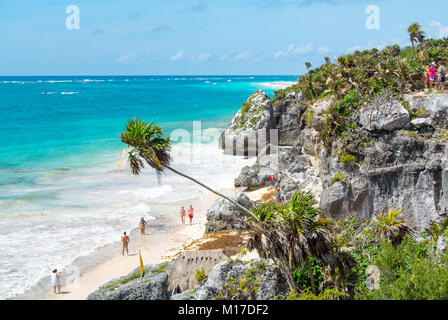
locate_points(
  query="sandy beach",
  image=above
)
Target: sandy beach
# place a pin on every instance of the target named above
(164, 240)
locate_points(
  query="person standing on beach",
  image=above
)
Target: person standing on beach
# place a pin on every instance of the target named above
(125, 240)
(271, 178)
(190, 213)
(432, 74)
(142, 226)
(56, 281)
(182, 214)
(441, 76)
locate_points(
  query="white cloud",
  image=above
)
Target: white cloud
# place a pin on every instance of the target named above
(293, 50)
(125, 58)
(224, 58)
(442, 31)
(302, 50)
(178, 55)
(323, 49)
(241, 56)
(204, 56)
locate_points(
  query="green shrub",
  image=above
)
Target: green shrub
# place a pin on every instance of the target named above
(338, 177)
(411, 271)
(200, 276)
(348, 160)
(327, 294)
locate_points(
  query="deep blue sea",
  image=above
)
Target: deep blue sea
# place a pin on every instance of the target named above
(63, 177)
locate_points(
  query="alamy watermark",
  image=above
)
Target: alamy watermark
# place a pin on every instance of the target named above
(72, 22)
(373, 20)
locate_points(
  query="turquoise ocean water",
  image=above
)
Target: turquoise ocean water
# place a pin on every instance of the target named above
(61, 177)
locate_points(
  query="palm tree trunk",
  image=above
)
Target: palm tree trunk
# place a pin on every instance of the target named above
(310, 270)
(215, 192)
(413, 49)
(288, 275)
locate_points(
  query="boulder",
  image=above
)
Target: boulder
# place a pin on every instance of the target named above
(421, 122)
(433, 105)
(154, 285)
(224, 215)
(388, 116)
(183, 273)
(271, 282)
(275, 161)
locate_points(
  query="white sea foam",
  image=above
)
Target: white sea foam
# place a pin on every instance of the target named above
(67, 214)
(69, 92)
(277, 85)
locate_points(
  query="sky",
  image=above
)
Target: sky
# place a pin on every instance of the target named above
(201, 37)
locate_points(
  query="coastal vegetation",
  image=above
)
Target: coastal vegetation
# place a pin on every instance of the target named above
(326, 260)
(356, 79)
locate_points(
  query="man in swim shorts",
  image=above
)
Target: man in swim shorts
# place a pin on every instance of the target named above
(125, 240)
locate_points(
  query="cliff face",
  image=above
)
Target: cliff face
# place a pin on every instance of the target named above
(394, 157)
(249, 130)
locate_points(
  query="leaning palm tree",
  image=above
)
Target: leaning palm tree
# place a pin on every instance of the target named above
(147, 144)
(290, 234)
(388, 226)
(416, 35)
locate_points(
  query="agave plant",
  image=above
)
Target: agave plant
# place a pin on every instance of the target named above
(147, 144)
(389, 226)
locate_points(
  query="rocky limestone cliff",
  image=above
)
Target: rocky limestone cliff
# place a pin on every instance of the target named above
(249, 130)
(394, 157)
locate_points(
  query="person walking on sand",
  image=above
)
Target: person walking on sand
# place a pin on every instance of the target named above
(125, 240)
(190, 213)
(182, 214)
(56, 281)
(142, 226)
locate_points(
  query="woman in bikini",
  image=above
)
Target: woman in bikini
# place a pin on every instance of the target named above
(182, 215)
(142, 226)
(190, 213)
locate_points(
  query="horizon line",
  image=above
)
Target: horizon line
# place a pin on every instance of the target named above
(151, 75)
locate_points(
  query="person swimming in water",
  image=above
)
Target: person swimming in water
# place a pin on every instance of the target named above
(125, 240)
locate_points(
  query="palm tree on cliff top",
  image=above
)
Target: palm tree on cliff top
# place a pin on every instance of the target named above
(147, 144)
(416, 35)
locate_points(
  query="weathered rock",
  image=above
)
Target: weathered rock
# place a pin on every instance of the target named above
(389, 116)
(250, 126)
(275, 161)
(287, 114)
(183, 272)
(442, 244)
(154, 285)
(259, 122)
(224, 215)
(399, 171)
(421, 122)
(434, 105)
(271, 280)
